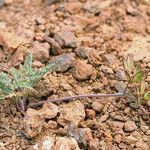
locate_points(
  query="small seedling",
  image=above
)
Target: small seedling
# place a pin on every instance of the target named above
(137, 79)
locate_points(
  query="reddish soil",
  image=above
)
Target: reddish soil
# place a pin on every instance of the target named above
(93, 36)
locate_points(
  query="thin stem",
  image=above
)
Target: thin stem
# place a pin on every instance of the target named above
(35, 105)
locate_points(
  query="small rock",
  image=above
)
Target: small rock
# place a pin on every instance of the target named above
(71, 113)
(118, 138)
(97, 106)
(52, 124)
(106, 69)
(142, 145)
(118, 118)
(64, 143)
(37, 64)
(90, 113)
(67, 62)
(34, 119)
(94, 144)
(111, 58)
(144, 128)
(117, 126)
(104, 118)
(83, 52)
(93, 58)
(148, 132)
(46, 143)
(123, 146)
(88, 134)
(40, 51)
(48, 111)
(10, 41)
(17, 57)
(120, 74)
(66, 38)
(33, 123)
(120, 86)
(55, 47)
(40, 20)
(132, 11)
(130, 139)
(82, 71)
(65, 86)
(130, 126)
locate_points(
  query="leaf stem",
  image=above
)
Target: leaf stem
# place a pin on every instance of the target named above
(35, 105)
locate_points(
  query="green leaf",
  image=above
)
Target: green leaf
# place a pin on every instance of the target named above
(147, 95)
(138, 68)
(129, 63)
(28, 63)
(138, 77)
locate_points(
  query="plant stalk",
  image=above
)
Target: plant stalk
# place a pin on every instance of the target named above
(35, 105)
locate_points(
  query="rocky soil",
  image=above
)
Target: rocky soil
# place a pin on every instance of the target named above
(92, 36)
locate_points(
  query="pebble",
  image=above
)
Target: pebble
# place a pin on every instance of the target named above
(40, 51)
(97, 106)
(130, 126)
(130, 139)
(90, 113)
(66, 39)
(82, 70)
(65, 64)
(72, 112)
(55, 47)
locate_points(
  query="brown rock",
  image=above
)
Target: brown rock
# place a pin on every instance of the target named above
(88, 134)
(52, 124)
(40, 51)
(33, 123)
(55, 47)
(37, 64)
(34, 119)
(144, 128)
(118, 138)
(97, 106)
(81, 70)
(10, 41)
(130, 126)
(123, 145)
(103, 118)
(16, 58)
(142, 145)
(71, 113)
(83, 52)
(94, 144)
(117, 126)
(65, 64)
(93, 58)
(130, 139)
(90, 113)
(66, 38)
(65, 143)
(45, 143)
(48, 111)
